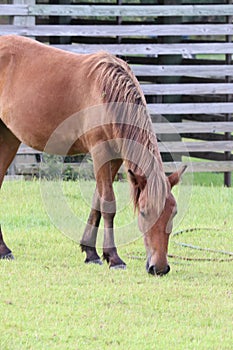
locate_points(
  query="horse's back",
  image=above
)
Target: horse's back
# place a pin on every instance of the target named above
(40, 87)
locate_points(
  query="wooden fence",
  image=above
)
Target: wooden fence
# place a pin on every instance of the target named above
(180, 53)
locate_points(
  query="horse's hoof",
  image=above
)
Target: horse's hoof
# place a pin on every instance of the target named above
(118, 267)
(8, 256)
(95, 261)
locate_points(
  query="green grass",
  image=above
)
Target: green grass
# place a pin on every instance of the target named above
(204, 178)
(49, 299)
(208, 179)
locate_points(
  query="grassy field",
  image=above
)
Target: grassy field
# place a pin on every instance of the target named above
(50, 300)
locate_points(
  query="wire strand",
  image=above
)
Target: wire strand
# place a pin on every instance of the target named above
(193, 229)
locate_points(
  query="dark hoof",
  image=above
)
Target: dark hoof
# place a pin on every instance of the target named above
(118, 267)
(95, 261)
(8, 256)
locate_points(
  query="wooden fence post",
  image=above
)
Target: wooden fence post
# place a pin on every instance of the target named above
(168, 60)
(228, 59)
(24, 20)
(60, 20)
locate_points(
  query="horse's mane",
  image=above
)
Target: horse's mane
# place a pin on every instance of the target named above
(116, 79)
(118, 84)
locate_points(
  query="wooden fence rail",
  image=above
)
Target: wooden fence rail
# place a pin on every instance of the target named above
(116, 30)
(115, 10)
(180, 53)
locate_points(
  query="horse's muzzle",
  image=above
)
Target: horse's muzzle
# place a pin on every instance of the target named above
(152, 270)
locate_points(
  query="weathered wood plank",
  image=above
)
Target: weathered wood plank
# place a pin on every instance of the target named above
(193, 127)
(13, 10)
(205, 146)
(114, 10)
(116, 30)
(193, 108)
(186, 89)
(134, 10)
(221, 167)
(152, 49)
(192, 70)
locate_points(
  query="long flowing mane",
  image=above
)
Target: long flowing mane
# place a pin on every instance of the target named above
(118, 84)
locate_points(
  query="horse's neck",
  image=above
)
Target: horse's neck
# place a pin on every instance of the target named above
(139, 150)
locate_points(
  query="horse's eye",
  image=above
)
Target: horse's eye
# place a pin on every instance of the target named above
(142, 213)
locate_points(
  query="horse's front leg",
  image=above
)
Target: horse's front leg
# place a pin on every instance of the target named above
(104, 180)
(88, 241)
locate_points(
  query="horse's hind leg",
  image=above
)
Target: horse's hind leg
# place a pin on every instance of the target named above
(9, 145)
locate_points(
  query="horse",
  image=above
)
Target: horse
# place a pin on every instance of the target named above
(41, 87)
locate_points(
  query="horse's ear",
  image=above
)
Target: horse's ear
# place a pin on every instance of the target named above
(139, 181)
(175, 177)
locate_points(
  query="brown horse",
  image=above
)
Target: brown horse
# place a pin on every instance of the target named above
(42, 88)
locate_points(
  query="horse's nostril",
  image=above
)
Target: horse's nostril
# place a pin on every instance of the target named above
(164, 272)
(152, 270)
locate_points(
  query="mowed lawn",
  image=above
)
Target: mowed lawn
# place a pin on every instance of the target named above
(49, 299)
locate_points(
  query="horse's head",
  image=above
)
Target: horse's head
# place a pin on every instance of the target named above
(156, 230)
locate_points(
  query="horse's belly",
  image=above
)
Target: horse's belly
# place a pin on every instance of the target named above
(43, 131)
